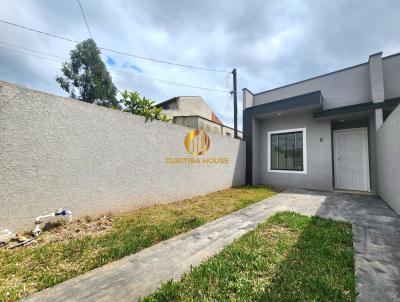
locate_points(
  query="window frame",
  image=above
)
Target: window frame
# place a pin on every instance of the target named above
(304, 131)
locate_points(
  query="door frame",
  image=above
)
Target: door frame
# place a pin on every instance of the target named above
(364, 130)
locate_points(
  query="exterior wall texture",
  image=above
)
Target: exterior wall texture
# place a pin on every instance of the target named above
(377, 90)
(341, 88)
(372, 152)
(256, 171)
(194, 105)
(391, 76)
(388, 160)
(189, 105)
(247, 98)
(319, 161)
(57, 152)
(205, 124)
(344, 87)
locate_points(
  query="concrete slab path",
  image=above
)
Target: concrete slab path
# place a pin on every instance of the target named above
(376, 231)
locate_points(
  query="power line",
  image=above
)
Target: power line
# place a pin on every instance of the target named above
(229, 99)
(167, 82)
(227, 86)
(26, 53)
(140, 77)
(33, 50)
(84, 18)
(114, 51)
(38, 31)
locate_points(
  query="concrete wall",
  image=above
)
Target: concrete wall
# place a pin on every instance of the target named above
(391, 76)
(194, 105)
(341, 88)
(344, 87)
(256, 171)
(319, 161)
(372, 152)
(227, 131)
(186, 121)
(57, 152)
(247, 98)
(189, 105)
(376, 86)
(208, 125)
(388, 160)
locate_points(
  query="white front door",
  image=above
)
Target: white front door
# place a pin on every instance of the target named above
(351, 163)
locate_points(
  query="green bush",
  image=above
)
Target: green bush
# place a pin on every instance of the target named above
(136, 104)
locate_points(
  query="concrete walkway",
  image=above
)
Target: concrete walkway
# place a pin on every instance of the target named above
(376, 230)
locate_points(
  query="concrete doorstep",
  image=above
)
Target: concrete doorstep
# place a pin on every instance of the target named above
(376, 240)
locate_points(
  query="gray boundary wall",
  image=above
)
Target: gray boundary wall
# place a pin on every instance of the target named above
(388, 160)
(57, 152)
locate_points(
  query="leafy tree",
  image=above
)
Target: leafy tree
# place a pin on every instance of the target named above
(142, 106)
(86, 77)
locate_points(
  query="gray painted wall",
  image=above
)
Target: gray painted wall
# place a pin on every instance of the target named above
(341, 88)
(372, 152)
(319, 162)
(57, 152)
(256, 151)
(388, 160)
(391, 76)
(376, 80)
(347, 87)
(377, 89)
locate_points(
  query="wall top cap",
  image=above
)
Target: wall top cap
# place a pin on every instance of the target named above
(376, 54)
(245, 89)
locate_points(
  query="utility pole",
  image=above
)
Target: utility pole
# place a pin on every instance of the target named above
(235, 103)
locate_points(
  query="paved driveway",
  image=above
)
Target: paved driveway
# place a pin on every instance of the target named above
(376, 240)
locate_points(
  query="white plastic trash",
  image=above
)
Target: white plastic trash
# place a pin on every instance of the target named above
(5, 236)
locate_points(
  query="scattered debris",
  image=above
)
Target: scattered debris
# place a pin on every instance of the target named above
(39, 220)
(20, 237)
(24, 242)
(60, 230)
(80, 227)
(5, 236)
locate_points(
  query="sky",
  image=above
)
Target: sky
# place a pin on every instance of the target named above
(270, 43)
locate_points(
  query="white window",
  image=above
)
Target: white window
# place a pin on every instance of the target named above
(287, 152)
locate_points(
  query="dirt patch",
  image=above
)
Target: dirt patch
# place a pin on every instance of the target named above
(275, 232)
(64, 231)
(77, 228)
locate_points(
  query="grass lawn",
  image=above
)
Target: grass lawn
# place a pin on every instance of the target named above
(289, 258)
(33, 268)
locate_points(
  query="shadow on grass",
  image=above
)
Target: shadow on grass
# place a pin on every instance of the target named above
(31, 269)
(318, 267)
(289, 258)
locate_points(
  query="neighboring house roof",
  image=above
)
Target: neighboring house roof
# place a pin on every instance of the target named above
(167, 101)
(203, 118)
(215, 119)
(185, 112)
